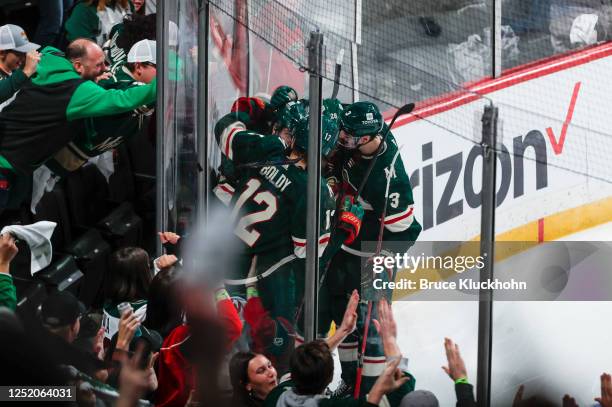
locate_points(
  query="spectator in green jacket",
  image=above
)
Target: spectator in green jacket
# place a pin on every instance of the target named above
(105, 133)
(43, 117)
(18, 60)
(8, 251)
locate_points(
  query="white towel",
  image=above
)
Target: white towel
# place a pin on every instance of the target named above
(37, 236)
(43, 180)
(105, 164)
(583, 31)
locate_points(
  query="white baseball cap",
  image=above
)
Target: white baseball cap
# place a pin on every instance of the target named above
(14, 37)
(143, 51)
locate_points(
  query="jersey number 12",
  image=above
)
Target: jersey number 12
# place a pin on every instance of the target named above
(244, 228)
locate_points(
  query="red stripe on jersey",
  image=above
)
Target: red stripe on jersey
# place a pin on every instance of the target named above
(389, 222)
(228, 142)
(299, 244)
(368, 360)
(226, 189)
(324, 240)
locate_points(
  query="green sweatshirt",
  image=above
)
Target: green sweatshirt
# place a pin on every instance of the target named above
(102, 133)
(82, 23)
(8, 294)
(43, 117)
(9, 84)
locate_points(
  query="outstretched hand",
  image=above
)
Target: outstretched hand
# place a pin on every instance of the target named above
(349, 321)
(387, 329)
(606, 391)
(391, 379)
(456, 366)
(385, 323)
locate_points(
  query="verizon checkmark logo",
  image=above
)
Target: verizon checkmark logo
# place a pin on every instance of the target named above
(558, 145)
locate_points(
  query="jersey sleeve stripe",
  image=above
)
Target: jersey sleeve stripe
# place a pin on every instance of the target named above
(228, 146)
(299, 245)
(224, 192)
(298, 242)
(227, 188)
(399, 216)
(226, 138)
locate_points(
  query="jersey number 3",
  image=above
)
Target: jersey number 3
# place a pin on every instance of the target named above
(244, 229)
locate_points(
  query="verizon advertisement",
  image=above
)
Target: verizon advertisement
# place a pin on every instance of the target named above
(553, 136)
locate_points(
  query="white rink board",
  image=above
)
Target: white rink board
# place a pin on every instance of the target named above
(561, 347)
(556, 347)
(525, 108)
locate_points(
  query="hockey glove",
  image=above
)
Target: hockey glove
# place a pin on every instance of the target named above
(350, 218)
(254, 108)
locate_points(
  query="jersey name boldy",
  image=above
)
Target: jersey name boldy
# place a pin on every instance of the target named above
(273, 175)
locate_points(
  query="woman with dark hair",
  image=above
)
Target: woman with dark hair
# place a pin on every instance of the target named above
(139, 6)
(164, 312)
(253, 377)
(94, 19)
(129, 279)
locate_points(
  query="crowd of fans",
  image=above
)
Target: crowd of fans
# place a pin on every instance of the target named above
(155, 337)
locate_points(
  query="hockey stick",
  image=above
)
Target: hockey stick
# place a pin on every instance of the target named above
(260, 164)
(337, 73)
(378, 250)
(407, 108)
(364, 341)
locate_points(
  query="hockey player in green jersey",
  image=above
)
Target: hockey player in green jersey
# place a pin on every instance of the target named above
(263, 115)
(260, 117)
(387, 192)
(268, 211)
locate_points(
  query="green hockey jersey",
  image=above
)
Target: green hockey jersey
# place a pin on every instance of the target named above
(105, 133)
(115, 55)
(270, 213)
(270, 200)
(240, 147)
(61, 98)
(388, 183)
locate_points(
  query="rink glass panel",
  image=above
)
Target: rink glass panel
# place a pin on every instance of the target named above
(180, 130)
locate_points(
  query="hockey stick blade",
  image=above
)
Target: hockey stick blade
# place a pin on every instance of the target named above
(407, 108)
